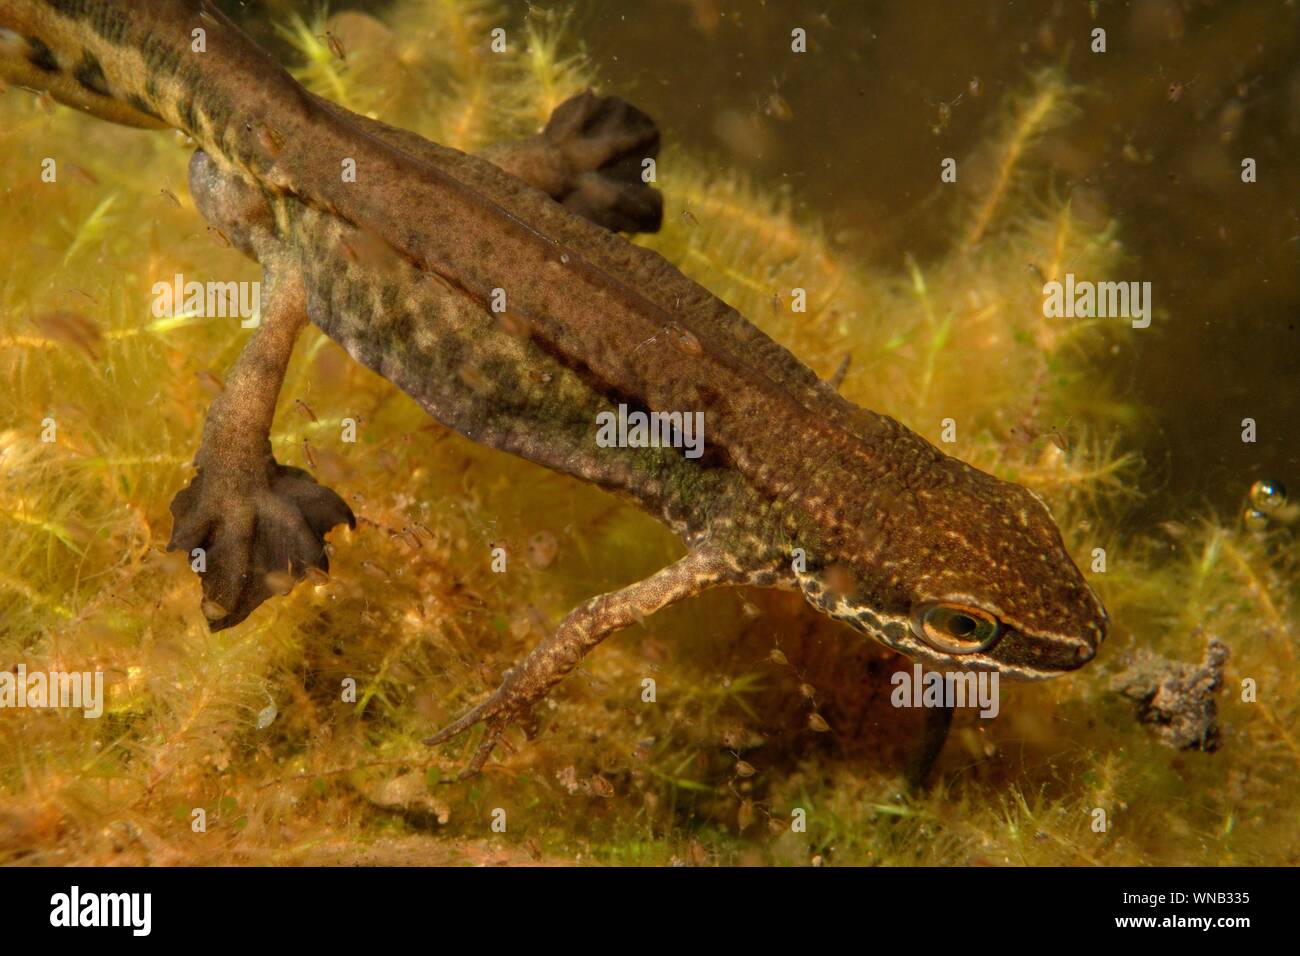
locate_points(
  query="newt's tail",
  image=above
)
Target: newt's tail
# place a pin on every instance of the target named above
(51, 52)
(148, 63)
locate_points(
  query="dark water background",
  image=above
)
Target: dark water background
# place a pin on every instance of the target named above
(1184, 91)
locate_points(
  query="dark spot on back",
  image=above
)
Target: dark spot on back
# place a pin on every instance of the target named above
(869, 619)
(91, 75)
(139, 103)
(188, 116)
(41, 56)
(72, 9)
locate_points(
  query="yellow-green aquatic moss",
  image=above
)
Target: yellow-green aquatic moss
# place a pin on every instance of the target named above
(763, 708)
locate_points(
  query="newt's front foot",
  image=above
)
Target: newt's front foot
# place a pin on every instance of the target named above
(585, 626)
(259, 535)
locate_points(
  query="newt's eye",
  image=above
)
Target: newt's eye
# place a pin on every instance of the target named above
(955, 628)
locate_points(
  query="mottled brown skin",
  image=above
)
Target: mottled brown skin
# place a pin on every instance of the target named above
(400, 267)
(261, 524)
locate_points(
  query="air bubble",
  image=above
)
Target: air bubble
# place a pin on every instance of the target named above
(1255, 520)
(1267, 496)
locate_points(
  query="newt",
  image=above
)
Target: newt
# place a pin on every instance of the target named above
(499, 293)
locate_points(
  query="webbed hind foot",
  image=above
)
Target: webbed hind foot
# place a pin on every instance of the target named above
(259, 535)
(589, 158)
(605, 141)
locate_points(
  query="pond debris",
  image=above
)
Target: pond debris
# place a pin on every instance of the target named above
(1176, 698)
(266, 716)
(778, 108)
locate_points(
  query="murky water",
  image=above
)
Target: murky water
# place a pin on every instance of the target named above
(1183, 92)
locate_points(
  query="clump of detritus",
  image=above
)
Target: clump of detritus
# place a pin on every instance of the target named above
(1177, 699)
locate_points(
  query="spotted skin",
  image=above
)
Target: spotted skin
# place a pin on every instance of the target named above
(402, 267)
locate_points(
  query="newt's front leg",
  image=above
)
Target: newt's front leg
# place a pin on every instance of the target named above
(585, 627)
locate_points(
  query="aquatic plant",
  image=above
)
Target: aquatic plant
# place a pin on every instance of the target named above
(298, 733)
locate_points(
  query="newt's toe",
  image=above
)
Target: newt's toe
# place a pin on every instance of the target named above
(618, 206)
(597, 132)
(322, 508)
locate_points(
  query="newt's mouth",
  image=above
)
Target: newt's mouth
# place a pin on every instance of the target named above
(1053, 654)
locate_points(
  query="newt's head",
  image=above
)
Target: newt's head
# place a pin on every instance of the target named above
(964, 571)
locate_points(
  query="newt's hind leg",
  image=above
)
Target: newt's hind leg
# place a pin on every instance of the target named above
(590, 158)
(260, 524)
(584, 628)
